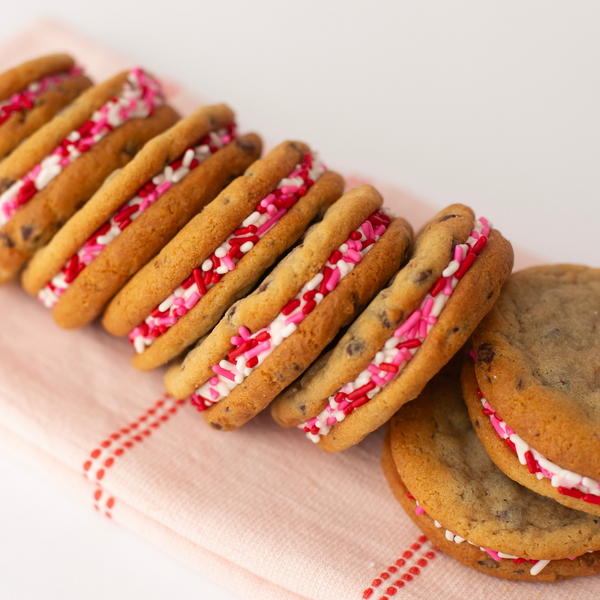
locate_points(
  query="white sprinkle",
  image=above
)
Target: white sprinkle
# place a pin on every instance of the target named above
(207, 265)
(246, 247)
(451, 268)
(288, 330)
(220, 252)
(537, 568)
(166, 304)
(139, 344)
(251, 219)
(222, 270)
(314, 282)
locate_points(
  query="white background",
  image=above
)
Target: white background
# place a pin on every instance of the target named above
(495, 104)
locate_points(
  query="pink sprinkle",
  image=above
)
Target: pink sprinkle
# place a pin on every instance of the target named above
(161, 189)
(448, 287)
(104, 110)
(181, 311)
(214, 394)
(422, 329)
(458, 254)
(93, 248)
(358, 246)
(35, 171)
(333, 278)
(354, 256)
(64, 162)
(509, 431)
(487, 405)
(289, 189)
(380, 230)
(412, 334)
(342, 405)
(331, 421)
(87, 258)
(152, 196)
(408, 324)
(191, 301)
(311, 422)
(474, 234)
(268, 200)
(295, 318)
(214, 381)
(257, 350)
(228, 262)
(486, 226)
(329, 408)
(378, 380)
(266, 226)
(236, 341)
(123, 114)
(144, 204)
(271, 209)
(493, 554)
(407, 354)
(134, 333)
(389, 376)
(497, 427)
(427, 307)
(350, 244)
(419, 510)
(244, 333)
(166, 321)
(179, 301)
(368, 229)
(399, 358)
(97, 128)
(472, 354)
(223, 372)
(373, 369)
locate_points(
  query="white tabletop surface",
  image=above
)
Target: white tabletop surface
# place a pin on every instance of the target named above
(491, 104)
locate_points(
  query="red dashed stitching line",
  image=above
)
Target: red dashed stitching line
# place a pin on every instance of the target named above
(413, 560)
(103, 457)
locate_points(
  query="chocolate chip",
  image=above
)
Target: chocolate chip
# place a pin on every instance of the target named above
(6, 240)
(263, 287)
(26, 232)
(423, 275)
(486, 353)
(216, 425)
(385, 321)
(246, 145)
(476, 423)
(520, 384)
(130, 148)
(231, 312)
(5, 184)
(302, 408)
(355, 347)
(446, 218)
(490, 294)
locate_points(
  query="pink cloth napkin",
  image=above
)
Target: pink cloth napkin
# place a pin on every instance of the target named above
(261, 509)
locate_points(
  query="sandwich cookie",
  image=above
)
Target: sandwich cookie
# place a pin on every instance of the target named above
(405, 336)
(265, 341)
(446, 482)
(138, 211)
(54, 172)
(219, 256)
(32, 93)
(535, 402)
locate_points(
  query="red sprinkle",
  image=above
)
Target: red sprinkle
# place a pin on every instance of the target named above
(571, 492)
(464, 266)
(263, 336)
(368, 242)
(126, 213)
(531, 464)
(233, 251)
(340, 396)
(309, 307)
(124, 224)
(290, 307)
(197, 275)
(363, 389)
(388, 367)
(215, 278)
(326, 275)
(438, 287)
(511, 445)
(335, 257)
(409, 344)
(308, 160)
(207, 277)
(308, 296)
(591, 499)
(252, 362)
(239, 351)
(479, 245)
(188, 282)
(487, 412)
(355, 235)
(360, 401)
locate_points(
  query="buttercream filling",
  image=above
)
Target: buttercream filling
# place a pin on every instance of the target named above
(24, 99)
(399, 349)
(225, 257)
(141, 94)
(566, 482)
(131, 210)
(251, 350)
(536, 565)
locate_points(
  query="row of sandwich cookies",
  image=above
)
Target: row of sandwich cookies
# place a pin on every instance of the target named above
(524, 496)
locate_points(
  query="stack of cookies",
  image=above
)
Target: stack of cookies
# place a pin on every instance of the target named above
(498, 460)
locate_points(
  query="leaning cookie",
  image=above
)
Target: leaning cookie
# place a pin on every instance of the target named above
(405, 336)
(218, 257)
(32, 93)
(446, 482)
(52, 174)
(136, 213)
(535, 400)
(268, 339)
